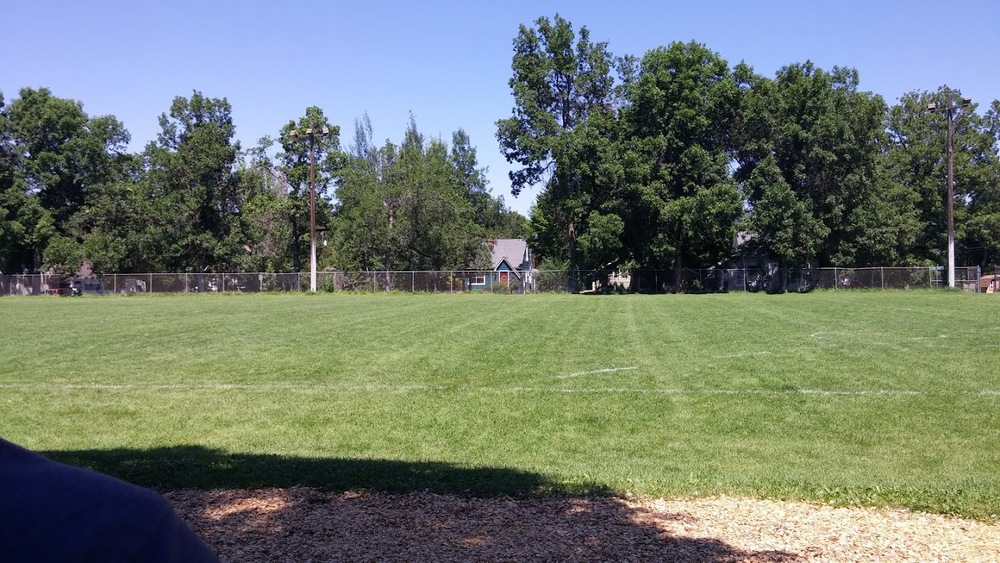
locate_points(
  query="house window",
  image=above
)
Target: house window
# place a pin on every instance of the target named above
(478, 280)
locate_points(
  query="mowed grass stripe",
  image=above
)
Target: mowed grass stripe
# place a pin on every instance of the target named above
(371, 388)
(875, 398)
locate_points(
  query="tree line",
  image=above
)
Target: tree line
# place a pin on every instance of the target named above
(652, 162)
(194, 200)
(658, 162)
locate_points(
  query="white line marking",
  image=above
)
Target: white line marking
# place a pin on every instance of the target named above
(424, 388)
(758, 392)
(747, 354)
(605, 370)
(222, 387)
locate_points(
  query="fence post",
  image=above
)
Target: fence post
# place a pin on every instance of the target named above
(882, 275)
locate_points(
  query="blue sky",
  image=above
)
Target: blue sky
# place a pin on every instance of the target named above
(448, 62)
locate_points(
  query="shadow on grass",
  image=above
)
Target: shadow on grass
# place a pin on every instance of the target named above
(197, 467)
(245, 507)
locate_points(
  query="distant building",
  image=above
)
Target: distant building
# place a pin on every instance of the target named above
(755, 270)
(989, 284)
(511, 265)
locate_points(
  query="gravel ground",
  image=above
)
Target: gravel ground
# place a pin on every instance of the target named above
(303, 524)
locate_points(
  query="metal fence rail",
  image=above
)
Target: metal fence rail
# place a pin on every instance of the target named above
(643, 281)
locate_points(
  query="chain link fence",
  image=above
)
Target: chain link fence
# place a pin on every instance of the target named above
(780, 280)
(712, 280)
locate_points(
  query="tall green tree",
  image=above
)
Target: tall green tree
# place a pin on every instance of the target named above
(266, 212)
(983, 230)
(11, 230)
(54, 154)
(678, 120)
(407, 206)
(189, 177)
(588, 188)
(560, 77)
(365, 209)
(916, 162)
(65, 151)
(780, 224)
(825, 136)
(443, 234)
(490, 213)
(117, 226)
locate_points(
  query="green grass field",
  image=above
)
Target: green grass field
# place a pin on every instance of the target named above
(887, 398)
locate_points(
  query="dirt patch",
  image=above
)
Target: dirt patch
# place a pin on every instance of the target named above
(303, 524)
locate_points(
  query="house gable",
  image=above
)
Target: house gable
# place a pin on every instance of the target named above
(510, 261)
(514, 251)
(505, 266)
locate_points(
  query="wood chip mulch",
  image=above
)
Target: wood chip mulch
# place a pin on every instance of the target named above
(303, 524)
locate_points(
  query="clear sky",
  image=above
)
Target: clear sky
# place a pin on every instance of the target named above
(448, 62)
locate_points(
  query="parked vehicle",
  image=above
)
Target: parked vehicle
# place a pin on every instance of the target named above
(58, 284)
(88, 286)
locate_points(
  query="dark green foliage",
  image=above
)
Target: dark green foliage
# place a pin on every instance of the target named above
(916, 165)
(684, 151)
(825, 137)
(304, 153)
(416, 206)
(677, 123)
(642, 162)
(52, 156)
(783, 225)
(560, 77)
(489, 213)
(189, 178)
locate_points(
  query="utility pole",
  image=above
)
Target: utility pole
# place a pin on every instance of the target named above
(310, 132)
(952, 105)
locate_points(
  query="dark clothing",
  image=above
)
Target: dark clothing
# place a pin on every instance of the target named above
(55, 512)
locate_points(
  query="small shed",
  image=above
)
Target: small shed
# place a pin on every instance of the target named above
(989, 284)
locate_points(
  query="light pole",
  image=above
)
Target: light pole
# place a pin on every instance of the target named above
(310, 132)
(951, 105)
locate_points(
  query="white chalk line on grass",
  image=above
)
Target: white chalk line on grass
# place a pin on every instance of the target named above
(860, 339)
(372, 388)
(596, 371)
(864, 334)
(752, 392)
(221, 387)
(746, 354)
